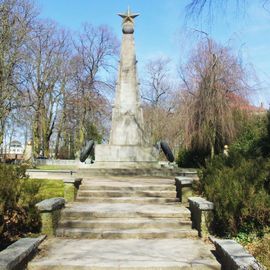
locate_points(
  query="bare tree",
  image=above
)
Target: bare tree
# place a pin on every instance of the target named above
(47, 53)
(156, 85)
(84, 103)
(16, 20)
(95, 59)
(212, 78)
(158, 92)
(197, 8)
(61, 126)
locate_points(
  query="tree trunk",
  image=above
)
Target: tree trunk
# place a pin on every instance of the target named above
(212, 151)
(36, 135)
(56, 149)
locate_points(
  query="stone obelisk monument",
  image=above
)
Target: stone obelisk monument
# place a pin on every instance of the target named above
(128, 145)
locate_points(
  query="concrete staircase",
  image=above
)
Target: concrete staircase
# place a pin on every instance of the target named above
(125, 223)
(126, 209)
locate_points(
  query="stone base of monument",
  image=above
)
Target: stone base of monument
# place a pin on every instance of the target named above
(125, 156)
(127, 160)
(88, 172)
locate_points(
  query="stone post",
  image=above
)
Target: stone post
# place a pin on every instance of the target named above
(184, 188)
(50, 214)
(201, 215)
(71, 186)
(233, 256)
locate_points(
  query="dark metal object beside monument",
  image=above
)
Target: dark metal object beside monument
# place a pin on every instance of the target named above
(167, 151)
(86, 150)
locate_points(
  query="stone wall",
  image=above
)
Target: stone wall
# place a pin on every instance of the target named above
(63, 162)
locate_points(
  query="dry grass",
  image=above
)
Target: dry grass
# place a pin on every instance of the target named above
(260, 249)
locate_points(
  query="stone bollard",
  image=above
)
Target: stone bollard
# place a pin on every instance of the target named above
(71, 186)
(192, 174)
(17, 255)
(184, 188)
(201, 215)
(50, 214)
(233, 256)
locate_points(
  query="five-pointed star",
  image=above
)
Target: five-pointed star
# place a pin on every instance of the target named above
(128, 16)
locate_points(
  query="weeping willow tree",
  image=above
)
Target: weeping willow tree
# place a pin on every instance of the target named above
(213, 9)
(213, 80)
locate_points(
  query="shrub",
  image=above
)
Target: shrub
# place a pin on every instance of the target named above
(191, 158)
(253, 138)
(236, 186)
(253, 134)
(263, 145)
(18, 196)
(10, 177)
(29, 196)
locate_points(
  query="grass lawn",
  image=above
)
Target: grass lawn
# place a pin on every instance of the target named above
(49, 188)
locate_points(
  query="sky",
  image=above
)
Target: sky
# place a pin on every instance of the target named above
(163, 30)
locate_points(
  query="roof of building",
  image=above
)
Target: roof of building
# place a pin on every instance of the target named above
(15, 142)
(243, 103)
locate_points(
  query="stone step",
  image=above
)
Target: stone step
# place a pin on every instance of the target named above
(165, 233)
(131, 254)
(132, 172)
(124, 223)
(86, 215)
(128, 188)
(137, 200)
(130, 181)
(113, 193)
(124, 210)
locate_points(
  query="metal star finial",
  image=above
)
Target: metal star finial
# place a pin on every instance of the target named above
(128, 16)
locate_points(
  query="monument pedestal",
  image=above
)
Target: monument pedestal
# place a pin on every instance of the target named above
(125, 156)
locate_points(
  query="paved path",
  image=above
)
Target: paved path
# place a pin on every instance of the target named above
(169, 254)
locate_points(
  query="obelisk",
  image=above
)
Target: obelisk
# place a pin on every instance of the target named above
(127, 117)
(128, 145)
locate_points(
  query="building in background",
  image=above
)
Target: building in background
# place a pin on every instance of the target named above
(12, 152)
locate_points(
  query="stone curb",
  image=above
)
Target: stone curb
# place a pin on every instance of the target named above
(50, 214)
(233, 256)
(201, 215)
(72, 181)
(50, 205)
(190, 174)
(71, 187)
(184, 181)
(17, 255)
(201, 203)
(184, 187)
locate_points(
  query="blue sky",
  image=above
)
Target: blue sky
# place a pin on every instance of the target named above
(161, 30)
